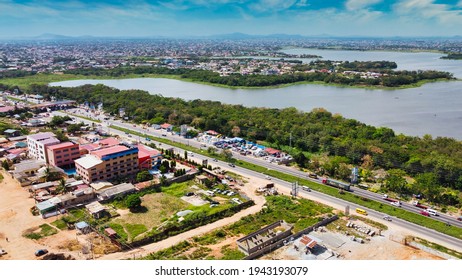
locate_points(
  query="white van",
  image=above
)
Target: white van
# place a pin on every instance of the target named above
(432, 212)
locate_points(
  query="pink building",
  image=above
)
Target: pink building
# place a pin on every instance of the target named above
(63, 154)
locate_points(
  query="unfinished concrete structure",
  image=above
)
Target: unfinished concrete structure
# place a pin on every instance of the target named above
(264, 237)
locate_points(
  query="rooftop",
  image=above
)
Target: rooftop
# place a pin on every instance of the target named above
(108, 151)
(43, 135)
(111, 141)
(60, 146)
(88, 161)
(144, 151)
(51, 140)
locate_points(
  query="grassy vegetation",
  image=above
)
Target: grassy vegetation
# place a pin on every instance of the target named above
(371, 222)
(231, 254)
(45, 230)
(436, 247)
(375, 205)
(300, 212)
(119, 229)
(46, 78)
(135, 229)
(61, 224)
(159, 207)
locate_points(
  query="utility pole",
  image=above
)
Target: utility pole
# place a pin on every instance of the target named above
(294, 191)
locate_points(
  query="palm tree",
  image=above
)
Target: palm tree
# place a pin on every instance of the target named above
(62, 186)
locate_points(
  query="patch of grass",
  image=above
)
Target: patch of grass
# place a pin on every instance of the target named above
(438, 247)
(210, 238)
(231, 254)
(45, 230)
(170, 252)
(177, 189)
(159, 206)
(135, 229)
(371, 222)
(120, 231)
(61, 224)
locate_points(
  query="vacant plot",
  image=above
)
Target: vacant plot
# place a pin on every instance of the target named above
(40, 231)
(156, 208)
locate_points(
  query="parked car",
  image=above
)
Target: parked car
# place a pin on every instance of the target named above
(460, 218)
(2, 252)
(41, 252)
(425, 213)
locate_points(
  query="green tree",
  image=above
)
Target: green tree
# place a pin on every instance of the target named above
(228, 155)
(62, 186)
(143, 176)
(132, 201)
(395, 181)
(6, 165)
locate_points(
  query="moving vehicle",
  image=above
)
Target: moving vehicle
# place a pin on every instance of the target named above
(313, 175)
(361, 211)
(41, 252)
(432, 212)
(425, 213)
(336, 184)
(148, 139)
(387, 218)
(232, 165)
(305, 188)
(460, 218)
(215, 160)
(267, 177)
(393, 202)
(417, 204)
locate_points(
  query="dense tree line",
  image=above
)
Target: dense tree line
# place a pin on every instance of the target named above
(391, 79)
(347, 142)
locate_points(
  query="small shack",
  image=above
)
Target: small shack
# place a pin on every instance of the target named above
(11, 133)
(110, 232)
(83, 227)
(96, 209)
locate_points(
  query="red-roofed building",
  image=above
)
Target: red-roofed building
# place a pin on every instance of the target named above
(167, 126)
(63, 154)
(148, 157)
(272, 151)
(111, 141)
(212, 132)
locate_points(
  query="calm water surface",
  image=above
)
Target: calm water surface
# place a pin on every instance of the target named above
(434, 108)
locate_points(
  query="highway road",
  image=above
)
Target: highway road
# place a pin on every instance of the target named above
(454, 242)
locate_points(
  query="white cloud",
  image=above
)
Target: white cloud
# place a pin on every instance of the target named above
(352, 5)
(427, 9)
(272, 5)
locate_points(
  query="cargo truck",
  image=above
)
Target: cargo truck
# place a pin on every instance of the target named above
(336, 184)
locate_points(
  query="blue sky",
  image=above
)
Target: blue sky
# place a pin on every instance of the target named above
(207, 17)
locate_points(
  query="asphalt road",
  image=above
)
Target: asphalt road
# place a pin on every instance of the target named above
(456, 243)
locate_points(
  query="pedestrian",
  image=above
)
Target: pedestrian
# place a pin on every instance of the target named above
(7, 239)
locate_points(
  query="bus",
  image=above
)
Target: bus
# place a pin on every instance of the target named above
(361, 211)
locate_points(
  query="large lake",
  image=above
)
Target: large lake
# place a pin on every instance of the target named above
(434, 108)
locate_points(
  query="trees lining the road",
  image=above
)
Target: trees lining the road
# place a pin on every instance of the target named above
(329, 142)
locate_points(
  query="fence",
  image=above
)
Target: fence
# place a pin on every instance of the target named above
(281, 242)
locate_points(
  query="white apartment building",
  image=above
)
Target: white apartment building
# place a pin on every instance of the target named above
(37, 143)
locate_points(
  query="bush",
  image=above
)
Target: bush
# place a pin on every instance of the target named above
(133, 201)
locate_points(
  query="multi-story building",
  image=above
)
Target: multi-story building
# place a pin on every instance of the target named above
(63, 154)
(148, 157)
(37, 143)
(107, 163)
